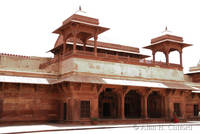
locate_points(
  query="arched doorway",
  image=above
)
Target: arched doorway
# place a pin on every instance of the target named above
(154, 105)
(132, 105)
(108, 104)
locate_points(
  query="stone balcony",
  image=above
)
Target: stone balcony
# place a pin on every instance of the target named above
(112, 58)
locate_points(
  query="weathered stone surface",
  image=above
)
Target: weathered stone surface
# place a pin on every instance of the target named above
(120, 69)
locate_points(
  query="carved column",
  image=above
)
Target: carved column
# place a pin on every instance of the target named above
(75, 101)
(94, 108)
(74, 30)
(64, 46)
(122, 107)
(84, 45)
(64, 42)
(166, 51)
(181, 60)
(95, 44)
(144, 106)
(144, 99)
(167, 103)
(183, 107)
(170, 105)
(167, 57)
(74, 43)
(124, 90)
(75, 109)
(94, 103)
(153, 53)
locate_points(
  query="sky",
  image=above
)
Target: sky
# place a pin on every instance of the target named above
(26, 26)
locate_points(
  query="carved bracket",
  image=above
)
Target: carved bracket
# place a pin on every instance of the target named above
(99, 88)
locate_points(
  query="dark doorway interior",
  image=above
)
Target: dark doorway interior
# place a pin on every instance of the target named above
(154, 105)
(65, 111)
(196, 110)
(132, 105)
(106, 110)
(177, 109)
(108, 104)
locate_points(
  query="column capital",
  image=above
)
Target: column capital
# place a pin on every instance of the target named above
(146, 92)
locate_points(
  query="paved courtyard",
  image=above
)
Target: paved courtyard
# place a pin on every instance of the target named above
(189, 127)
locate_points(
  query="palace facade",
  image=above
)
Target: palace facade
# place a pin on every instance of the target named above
(91, 80)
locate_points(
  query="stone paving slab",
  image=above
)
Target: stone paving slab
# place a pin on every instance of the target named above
(63, 127)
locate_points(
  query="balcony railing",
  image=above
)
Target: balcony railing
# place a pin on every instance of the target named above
(114, 58)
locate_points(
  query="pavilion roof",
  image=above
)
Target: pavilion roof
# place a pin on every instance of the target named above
(156, 42)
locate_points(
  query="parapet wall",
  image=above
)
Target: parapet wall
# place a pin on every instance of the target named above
(16, 63)
(119, 69)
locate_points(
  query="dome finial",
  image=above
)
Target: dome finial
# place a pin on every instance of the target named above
(80, 11)
(166, 28)
(166, 31)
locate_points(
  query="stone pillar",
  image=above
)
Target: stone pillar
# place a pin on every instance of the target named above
(181, 60)
(74, 42)
(154, 58)
(84, 47)
(171, 110)
(144, 106)
(95, 44)
(94, 108)
(183, 109)
(166, 106)
(64, 47)
(167, 57)
(122, 106)
(75, 109)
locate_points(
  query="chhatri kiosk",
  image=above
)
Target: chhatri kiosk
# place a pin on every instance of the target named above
(88, 79)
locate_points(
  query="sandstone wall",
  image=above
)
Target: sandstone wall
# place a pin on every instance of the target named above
(119, 69)
(25, 64)
(26, 102)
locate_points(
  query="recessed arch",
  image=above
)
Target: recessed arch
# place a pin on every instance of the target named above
(108, 104)
(154, 105)
(132, 104)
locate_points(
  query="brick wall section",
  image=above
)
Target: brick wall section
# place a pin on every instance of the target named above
(27, 102)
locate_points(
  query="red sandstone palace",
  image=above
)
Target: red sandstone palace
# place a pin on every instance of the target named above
(91, 80)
